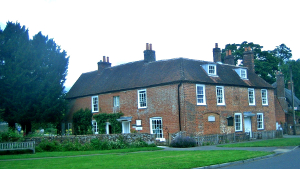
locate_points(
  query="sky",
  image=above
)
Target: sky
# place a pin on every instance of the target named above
(88, 30)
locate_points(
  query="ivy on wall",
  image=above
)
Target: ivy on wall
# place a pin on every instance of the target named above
(102, 118)
(82, 122)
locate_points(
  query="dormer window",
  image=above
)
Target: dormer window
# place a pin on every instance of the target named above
(211, 69)
(241, 72)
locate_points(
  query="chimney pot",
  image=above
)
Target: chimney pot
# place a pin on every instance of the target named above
(229, 52)
(104, 60)
(216, 46)
(150, 46)
(107, 59)
(147, 46)
(245, 49)
(249, 49)
(226, 52)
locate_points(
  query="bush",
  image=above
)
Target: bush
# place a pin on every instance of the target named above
(46, 145)
(183, 142)
(10, 136)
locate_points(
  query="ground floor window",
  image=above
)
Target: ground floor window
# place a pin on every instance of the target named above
(260, 121)
(238, 122)
(156, 127)
(95, 127)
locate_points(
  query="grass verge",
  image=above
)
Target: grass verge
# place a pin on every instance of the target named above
(153, 159)
(282, 142)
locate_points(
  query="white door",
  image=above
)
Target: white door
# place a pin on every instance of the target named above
(126, 126)
(247, 122)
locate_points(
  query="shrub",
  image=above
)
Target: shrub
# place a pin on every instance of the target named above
(183, 142)
(10, 136)
(46, 145)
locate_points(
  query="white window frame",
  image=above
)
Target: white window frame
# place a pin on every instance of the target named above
(200, 94)
(251, 96)
(95, 128)
(153, 128)
(242, 73)
(220, 96)
(116, 101)
(95, 104)
(107, 127)
(264, 99)
(260, 121)
(142, 98)
(238, 123)
(207, 67)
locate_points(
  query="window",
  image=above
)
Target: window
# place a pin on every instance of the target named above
(238, 122)
(95, 127)
(95, 104)
(264, 96)
(242, 73)
(260, 121)
(251, 96)
(200, 92)
(116, 101)
(211, 69)
(220, 95)
(156, 127)
(142, 98)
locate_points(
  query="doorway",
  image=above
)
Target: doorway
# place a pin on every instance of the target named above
(248, 127)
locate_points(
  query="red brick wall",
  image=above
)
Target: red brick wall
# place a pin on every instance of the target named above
(162, 102)
(236, 101)
(279, 113)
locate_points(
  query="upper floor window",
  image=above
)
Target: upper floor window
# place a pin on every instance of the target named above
(95, 104)
(116, 101)
(142, 98)
(241, 72)
(260, 120)
(251, 96)
(264, 96)
(238, 123)
(220, 95)
(200, 92)
(211, 69)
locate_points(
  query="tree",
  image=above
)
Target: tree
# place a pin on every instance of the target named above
(283, 53)
(265, 62)
(296, 74)
(32, 74)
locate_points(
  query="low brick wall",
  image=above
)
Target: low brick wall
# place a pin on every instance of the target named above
(129, 138)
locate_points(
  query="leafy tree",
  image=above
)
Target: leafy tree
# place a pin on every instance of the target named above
(296, 74)
(32, 74)
(265, 62)
(82, 121)
(283, 53)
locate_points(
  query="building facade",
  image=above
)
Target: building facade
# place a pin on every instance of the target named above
(168, 96)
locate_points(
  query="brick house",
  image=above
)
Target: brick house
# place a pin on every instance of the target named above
(283, 104)
(167, 96)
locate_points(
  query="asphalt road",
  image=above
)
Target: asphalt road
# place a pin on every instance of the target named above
(289, 160)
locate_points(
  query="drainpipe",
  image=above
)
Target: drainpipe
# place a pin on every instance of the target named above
(179, 105)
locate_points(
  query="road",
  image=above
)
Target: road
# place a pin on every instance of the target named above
(289, 160)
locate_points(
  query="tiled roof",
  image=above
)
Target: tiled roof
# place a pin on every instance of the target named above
(140, 74)
(288, 96)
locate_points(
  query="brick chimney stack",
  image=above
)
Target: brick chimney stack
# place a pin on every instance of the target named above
(149, 54)
(229, 59)
(280, 92)
(217, 53)
(248, 59)
(104, 64)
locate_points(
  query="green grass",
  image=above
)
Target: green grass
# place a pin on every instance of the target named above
(282, 142)
(142, 159)
(76, 153)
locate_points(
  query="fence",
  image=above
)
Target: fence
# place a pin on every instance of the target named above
(18, 146)
(231, 138)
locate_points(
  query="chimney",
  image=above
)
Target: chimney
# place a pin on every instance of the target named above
(104, 64)
(280, 84)
(229, 59)
(217, 53)
(149, 54)
(248, 59)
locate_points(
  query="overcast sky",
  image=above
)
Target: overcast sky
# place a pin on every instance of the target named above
(88, 30)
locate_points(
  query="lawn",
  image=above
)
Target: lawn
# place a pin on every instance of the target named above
(282, 142)
(141, 159)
